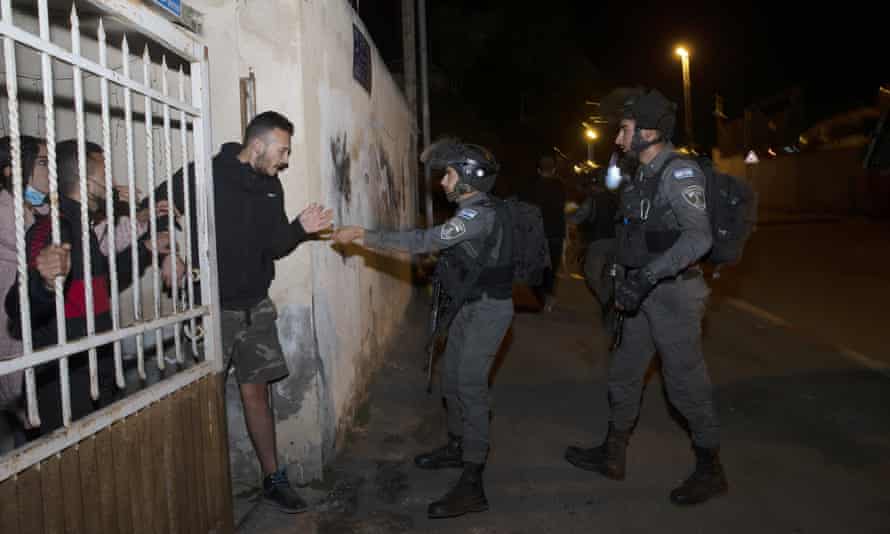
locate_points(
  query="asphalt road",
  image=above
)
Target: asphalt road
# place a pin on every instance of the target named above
(805, 425)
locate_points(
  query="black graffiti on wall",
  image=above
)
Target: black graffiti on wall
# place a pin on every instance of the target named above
(341, 165)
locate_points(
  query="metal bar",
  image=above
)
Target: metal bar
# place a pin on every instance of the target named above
(49, 113)
(204, 186)
(34, 452)
(12, 95)
(134, 230)
(171, 213)
(187, 212)
(109, 211)
(152, 209)
(31, 41)
(409, 53)
(56, 351)
(84, 216)
(425, 103)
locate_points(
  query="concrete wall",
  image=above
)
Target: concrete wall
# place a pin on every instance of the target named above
(352, 150)
(824, 182)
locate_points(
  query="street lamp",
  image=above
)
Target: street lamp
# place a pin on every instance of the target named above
(591, 136)
(687, 96)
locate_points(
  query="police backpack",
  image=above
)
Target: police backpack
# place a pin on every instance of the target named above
(732, 210)
(531, 252)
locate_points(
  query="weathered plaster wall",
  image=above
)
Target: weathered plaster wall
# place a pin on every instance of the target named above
(352, 150)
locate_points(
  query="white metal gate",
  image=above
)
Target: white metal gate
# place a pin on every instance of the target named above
(171, 121)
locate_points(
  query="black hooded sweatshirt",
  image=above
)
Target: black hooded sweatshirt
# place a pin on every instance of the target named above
(252, 230)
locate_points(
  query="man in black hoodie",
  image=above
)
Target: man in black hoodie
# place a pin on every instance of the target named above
(252, 232)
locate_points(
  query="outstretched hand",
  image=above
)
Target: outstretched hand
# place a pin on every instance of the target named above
(347, 234)
(315, 218)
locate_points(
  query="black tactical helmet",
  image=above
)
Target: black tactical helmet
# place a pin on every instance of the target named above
(475, 165)
(650, 109)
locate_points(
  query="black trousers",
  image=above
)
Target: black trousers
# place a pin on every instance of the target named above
(548, 285)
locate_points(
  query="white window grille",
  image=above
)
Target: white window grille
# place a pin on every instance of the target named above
(172, 95)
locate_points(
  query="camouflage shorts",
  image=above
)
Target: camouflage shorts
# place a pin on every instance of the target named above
(250, 343)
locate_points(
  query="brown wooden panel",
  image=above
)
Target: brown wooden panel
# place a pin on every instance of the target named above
(133, 456)
(216, 382)
(159, 499)
(53, 505)
(146, 470)
(30, 499)
(71, 494)
(200, 448)
(168, 435)
(9, 507)
(89, 485)
(120, 464)
(107, 490)
(185, 455)
(211, 458)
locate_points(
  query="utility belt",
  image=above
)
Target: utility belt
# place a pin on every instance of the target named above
(495, 282)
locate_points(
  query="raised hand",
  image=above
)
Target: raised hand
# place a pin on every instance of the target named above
(163, 243)
(316, 218)
(54, 261)
(167, 270)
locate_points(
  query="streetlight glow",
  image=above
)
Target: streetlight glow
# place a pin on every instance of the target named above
(683, 52)
(591, 134)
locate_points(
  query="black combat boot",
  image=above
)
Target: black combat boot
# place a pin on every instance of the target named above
(706, 482)
(467, 496)
(449, 455)
(609, 458)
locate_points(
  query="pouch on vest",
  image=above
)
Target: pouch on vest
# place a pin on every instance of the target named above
(633, 251)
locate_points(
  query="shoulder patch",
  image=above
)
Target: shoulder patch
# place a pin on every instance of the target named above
(694, 195)
(453, 229)
(684, 172)
(467, 214)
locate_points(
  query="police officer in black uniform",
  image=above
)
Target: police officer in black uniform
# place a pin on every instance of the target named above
(663, 233)
(476, 271)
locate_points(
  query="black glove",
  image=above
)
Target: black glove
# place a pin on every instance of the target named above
(629, 293)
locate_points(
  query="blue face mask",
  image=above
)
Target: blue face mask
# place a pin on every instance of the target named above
(34, 197)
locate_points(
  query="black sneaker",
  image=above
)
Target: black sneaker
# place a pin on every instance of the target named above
(278, 493)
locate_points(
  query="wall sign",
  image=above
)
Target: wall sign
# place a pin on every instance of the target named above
(361, 58)
(171, 6)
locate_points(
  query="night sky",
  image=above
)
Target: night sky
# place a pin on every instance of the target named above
(744, 51)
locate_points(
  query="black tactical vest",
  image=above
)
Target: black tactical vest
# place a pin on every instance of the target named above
(467, 270)
(641, 233)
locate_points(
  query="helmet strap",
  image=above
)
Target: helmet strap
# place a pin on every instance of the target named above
(459, 190)
(637, 144)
